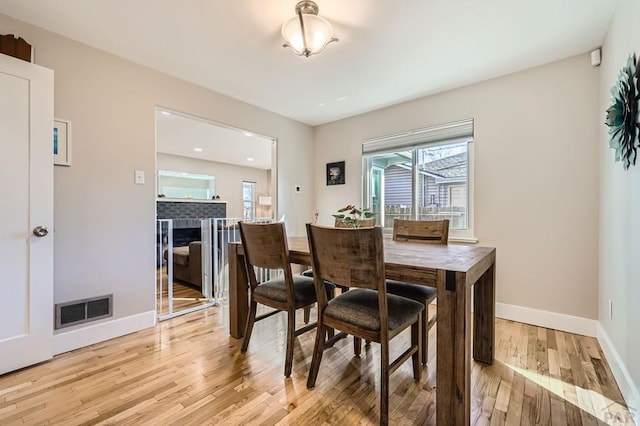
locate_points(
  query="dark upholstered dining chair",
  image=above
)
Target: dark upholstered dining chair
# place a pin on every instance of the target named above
(265, 246)
(419, 231)
(364, 223)
(354, 257)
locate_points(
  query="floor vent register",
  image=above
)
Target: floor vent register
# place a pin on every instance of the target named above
(85, 310)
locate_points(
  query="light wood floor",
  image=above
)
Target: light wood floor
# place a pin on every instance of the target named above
(189, 371)
(184, 296)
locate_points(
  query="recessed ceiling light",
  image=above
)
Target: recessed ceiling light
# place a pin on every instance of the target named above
(165, 113)
(197, 149)
(249, 158)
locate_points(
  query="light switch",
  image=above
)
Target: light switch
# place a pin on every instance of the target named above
(139, 177)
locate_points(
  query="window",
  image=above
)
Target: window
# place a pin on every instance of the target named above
(424, 174)
(249, 199)
(174, 184)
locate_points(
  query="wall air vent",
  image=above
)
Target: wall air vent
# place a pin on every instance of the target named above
(85, 310)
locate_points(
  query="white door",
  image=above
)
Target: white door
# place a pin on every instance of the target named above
(26, 202)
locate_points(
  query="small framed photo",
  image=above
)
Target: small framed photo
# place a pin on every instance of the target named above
(335, 173)
(61, 142)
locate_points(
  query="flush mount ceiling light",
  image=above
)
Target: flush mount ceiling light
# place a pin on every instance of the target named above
(307, 33)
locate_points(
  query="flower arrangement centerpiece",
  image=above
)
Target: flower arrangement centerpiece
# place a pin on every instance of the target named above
(353, 217)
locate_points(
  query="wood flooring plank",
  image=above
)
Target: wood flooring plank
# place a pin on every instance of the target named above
(503, 397)
(188, 371)
(563, 350)
(558, 414)
(516, 401)
(528, 411)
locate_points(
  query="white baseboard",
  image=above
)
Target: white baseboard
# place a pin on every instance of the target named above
(585, 327)
(629, 391)
(85, 336)
(562, 322)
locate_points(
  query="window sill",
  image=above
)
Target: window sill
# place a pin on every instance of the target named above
(463, 240)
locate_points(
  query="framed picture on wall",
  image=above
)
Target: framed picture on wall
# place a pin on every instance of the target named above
(335, 173)
(61, 142)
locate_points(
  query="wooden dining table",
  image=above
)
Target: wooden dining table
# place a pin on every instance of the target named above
(455, 270)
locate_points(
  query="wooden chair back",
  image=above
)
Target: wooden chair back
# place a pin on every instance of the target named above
(421, 231)
(352, 257)
(265, 246)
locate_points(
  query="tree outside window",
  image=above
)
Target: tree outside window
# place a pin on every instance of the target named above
(249, 199)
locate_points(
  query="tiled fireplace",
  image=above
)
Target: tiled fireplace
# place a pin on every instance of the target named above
(186, 215)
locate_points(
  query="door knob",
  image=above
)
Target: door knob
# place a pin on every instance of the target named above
(40, 231)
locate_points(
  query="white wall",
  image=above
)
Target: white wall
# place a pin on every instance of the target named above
(536, 176)
(104, 223)
(538, 136)
(620, 213)
(229, 178)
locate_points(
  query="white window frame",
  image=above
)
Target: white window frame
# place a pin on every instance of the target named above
(430, 136)
(252, 183)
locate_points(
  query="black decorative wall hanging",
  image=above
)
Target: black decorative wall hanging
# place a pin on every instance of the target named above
(622, 116)
(335, 173)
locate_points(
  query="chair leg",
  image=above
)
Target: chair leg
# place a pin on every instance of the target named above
(318, 350)
(307, 314)
(384, 382)
(330, 333)
(291, 334)
(357, 346)
(248, 328)
(331, 293)
(416, 335)
(425, 335)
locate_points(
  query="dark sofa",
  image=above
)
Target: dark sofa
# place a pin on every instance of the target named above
(187, 260)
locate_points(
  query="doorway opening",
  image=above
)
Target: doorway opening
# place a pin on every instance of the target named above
(202, 169)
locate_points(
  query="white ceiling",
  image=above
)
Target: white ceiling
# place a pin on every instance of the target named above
(389, 51)
(182, 135)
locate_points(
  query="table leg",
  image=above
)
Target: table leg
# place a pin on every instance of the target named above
(484, 320)
(453, 376)
(238, 292)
